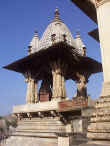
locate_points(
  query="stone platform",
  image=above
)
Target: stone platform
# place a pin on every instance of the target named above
(50, 123)
(36, 132)
(38, 107)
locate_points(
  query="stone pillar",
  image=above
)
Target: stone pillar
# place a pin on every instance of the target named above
(103, 17)
(28, 99)
(58, 81)
(32, 90)
(81, 86)
(31, 95)
(36, 93)
(99, 126)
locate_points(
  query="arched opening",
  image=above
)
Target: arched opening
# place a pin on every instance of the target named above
(44, 90)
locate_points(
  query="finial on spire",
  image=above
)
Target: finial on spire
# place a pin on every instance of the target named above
(56, 17)
(56, 12)
(78, 34)
(36, 33)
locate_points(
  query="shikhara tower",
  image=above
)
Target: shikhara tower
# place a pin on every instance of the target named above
(48, 117)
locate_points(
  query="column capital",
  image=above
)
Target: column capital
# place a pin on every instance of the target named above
(101, 2)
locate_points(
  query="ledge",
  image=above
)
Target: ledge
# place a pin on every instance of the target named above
(38, 107)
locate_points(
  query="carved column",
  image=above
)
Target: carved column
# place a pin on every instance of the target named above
(35, 91)
(99, 123)
(63, 86)
(81, 85)
(103, 17)
(58, 80)
(32, 90)
(28, 99)
(31, 95)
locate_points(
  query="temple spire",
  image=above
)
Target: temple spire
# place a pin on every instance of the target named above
(78, 34)
(33, 46)
(56, 15)
(80, 44)
(36, 33)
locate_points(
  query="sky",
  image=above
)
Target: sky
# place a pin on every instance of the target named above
(18, 21)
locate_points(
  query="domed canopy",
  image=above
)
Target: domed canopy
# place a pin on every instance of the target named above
(56, 32)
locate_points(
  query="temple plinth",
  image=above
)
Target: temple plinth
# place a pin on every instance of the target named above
(49, 118)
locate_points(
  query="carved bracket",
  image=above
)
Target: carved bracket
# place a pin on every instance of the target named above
(100, 2)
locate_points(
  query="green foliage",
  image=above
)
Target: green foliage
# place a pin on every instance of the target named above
(7, 124)
(1, 117)
(8, 121)
(12, 123)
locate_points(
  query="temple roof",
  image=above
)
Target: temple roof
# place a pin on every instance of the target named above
(60, 30)
(56, 43)
(39, 62)
(55, 32)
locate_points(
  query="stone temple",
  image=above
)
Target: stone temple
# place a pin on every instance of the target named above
(49, 117)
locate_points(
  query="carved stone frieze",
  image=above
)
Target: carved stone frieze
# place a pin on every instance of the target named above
(29, 115)
(31, 95)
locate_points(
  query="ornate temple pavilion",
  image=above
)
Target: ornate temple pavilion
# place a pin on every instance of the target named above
(49, 117)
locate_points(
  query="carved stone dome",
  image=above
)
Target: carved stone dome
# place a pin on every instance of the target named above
(56, 32)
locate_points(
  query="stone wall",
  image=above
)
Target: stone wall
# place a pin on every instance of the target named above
(31, 141)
